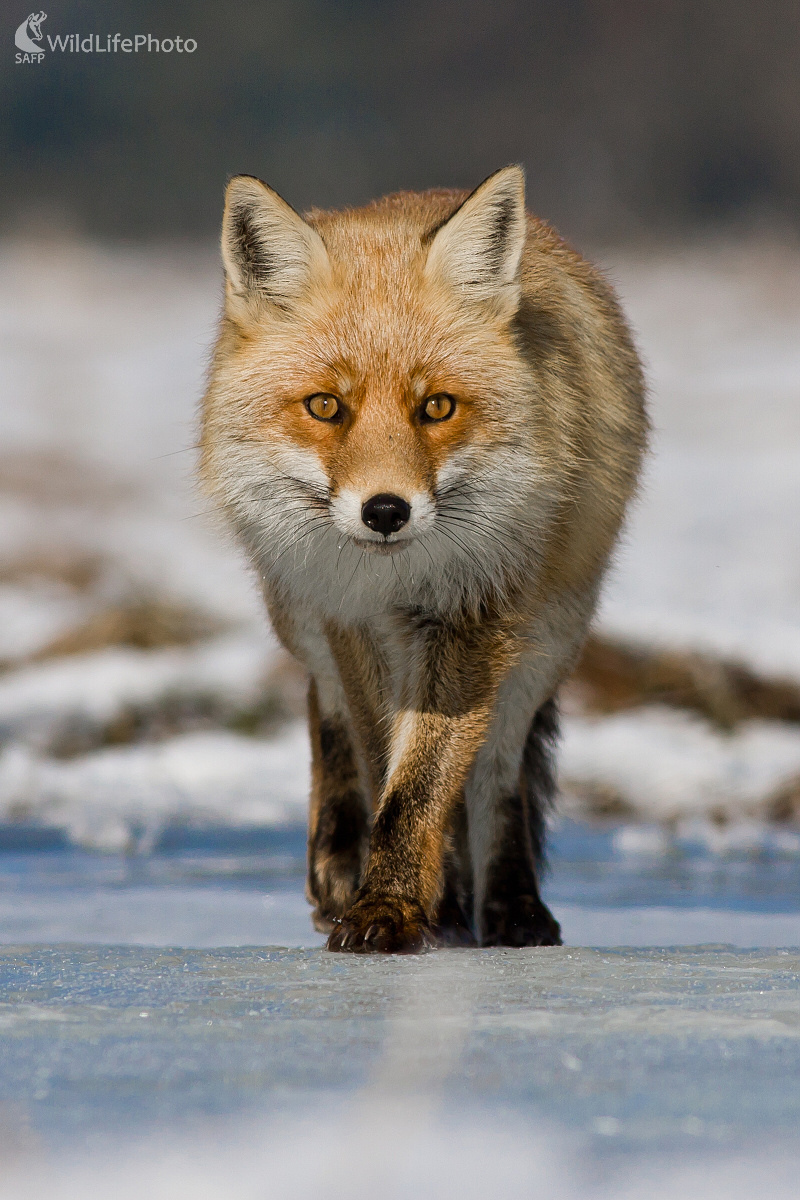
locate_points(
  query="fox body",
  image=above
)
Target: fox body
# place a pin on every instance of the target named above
(424, 420)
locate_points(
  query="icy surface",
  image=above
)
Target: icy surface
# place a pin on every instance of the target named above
(211, 886)
(593, 1062)
(402, 1148)
(196, 917)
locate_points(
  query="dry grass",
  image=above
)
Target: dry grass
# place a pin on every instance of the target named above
(145, 623)
(612, 676)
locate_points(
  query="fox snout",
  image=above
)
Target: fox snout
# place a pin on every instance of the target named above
(382, 520)
(385, 513)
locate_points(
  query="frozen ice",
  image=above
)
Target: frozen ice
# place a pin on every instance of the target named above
(553, 1068)
(198, 917)
(242, 884)
(401, 1150)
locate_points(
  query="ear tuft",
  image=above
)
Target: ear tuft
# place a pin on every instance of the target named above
(268, 250)
(478, 250)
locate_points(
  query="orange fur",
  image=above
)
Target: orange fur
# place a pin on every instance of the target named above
(434, 643)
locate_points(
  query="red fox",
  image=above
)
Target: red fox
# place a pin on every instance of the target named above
(424, 420)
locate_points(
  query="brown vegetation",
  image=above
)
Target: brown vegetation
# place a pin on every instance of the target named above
(612, 676)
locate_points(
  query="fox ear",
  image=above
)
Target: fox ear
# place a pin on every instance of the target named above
(268, 250)
(479, 249)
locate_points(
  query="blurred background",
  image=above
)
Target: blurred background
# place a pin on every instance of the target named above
(633, 120)
(145, 710)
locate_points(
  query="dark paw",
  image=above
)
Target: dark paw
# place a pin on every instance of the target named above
(322, 921)
(450, 926)
(453, 935)
(382, 926)
(524, 921)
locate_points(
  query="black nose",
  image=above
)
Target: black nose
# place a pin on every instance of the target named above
(385, 514)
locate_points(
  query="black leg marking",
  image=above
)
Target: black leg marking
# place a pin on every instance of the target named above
(452, 924)
(514, 913)
(338, 827)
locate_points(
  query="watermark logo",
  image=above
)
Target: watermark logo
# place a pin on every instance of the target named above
(29, 36)
(30, 40)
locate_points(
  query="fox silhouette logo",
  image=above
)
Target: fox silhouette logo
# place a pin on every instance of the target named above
(424, 421)
(29, 33)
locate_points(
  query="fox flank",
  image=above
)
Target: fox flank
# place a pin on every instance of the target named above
(424, 421)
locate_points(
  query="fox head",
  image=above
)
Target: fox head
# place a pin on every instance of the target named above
(368, 406)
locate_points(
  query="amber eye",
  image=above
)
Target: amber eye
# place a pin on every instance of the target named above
(438, 407)
(322, 406)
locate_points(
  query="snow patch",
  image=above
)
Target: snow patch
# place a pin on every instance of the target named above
(665, 764)
(39, 702)
(117, 799)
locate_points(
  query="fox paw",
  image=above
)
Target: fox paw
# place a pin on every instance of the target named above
(450, 926)
(453, 935)
(524, 922)
(322, 921)
(382, 926)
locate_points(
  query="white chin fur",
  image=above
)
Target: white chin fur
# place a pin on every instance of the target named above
(321, 555)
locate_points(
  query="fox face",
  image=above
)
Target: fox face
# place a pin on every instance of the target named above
(370, 425)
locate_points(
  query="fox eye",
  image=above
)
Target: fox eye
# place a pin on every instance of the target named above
(438, 407)
(322, 406)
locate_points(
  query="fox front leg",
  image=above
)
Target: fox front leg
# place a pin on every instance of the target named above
(510, 790)
(435, 739)
(338, 823)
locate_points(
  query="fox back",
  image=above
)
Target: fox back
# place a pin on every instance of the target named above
(424, 414)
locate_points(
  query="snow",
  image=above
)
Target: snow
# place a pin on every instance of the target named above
(102, 799)
(666, 764)
(95, 690)
(32, 617)
(663, 765)
(711, 560)
(103, 353)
